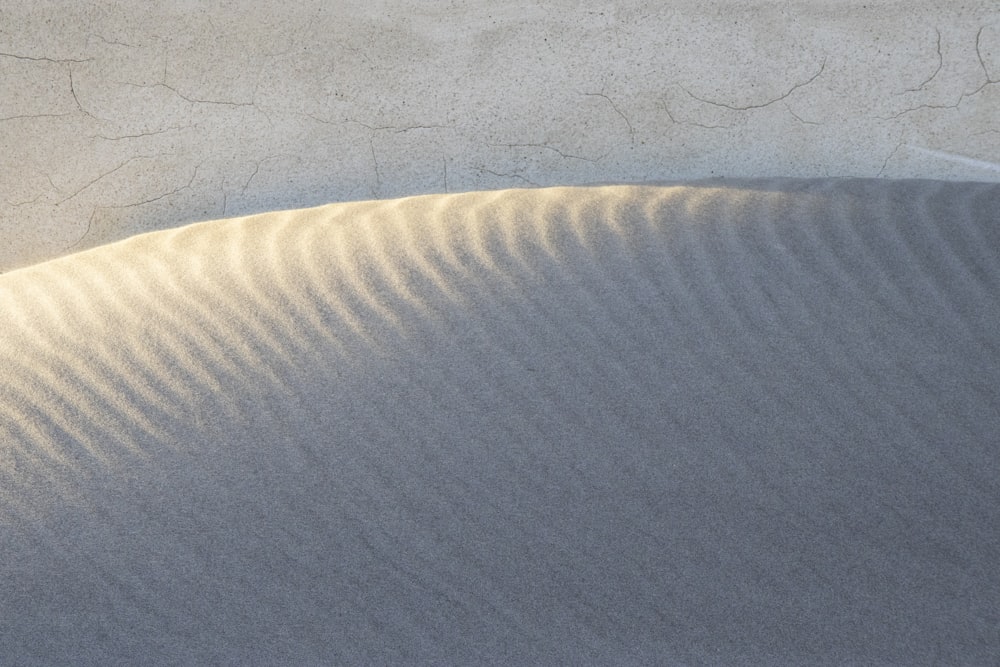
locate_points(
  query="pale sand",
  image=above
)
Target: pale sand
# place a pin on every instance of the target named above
(741, 422)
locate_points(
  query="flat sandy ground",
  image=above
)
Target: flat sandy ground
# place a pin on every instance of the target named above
(726, 423)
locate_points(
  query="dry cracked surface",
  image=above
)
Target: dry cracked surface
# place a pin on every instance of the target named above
(118, 120)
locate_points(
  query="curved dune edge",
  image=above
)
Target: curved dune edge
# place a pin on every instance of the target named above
(751, 421)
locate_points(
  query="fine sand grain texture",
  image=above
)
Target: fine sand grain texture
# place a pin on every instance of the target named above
(721, 423)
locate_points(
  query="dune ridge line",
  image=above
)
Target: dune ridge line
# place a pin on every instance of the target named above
(750, 421)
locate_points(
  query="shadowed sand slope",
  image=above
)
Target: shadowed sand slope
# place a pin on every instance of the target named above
(719, 423)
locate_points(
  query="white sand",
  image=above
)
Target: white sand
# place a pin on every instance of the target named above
(726, 423)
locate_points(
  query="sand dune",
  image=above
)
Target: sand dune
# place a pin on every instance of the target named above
(719, 423)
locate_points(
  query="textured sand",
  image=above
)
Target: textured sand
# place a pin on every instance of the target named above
(730, 422)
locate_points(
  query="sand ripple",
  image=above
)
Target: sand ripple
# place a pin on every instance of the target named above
(722, 422)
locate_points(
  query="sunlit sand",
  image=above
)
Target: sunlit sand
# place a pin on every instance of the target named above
(728, 422)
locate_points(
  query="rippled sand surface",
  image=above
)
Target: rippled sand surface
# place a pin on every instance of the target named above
(717, 423)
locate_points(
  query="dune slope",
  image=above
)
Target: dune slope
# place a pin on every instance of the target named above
(721, 422)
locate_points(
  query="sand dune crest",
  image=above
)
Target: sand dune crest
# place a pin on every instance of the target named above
(720, 422)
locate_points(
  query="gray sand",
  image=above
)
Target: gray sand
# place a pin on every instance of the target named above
(725, 423)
